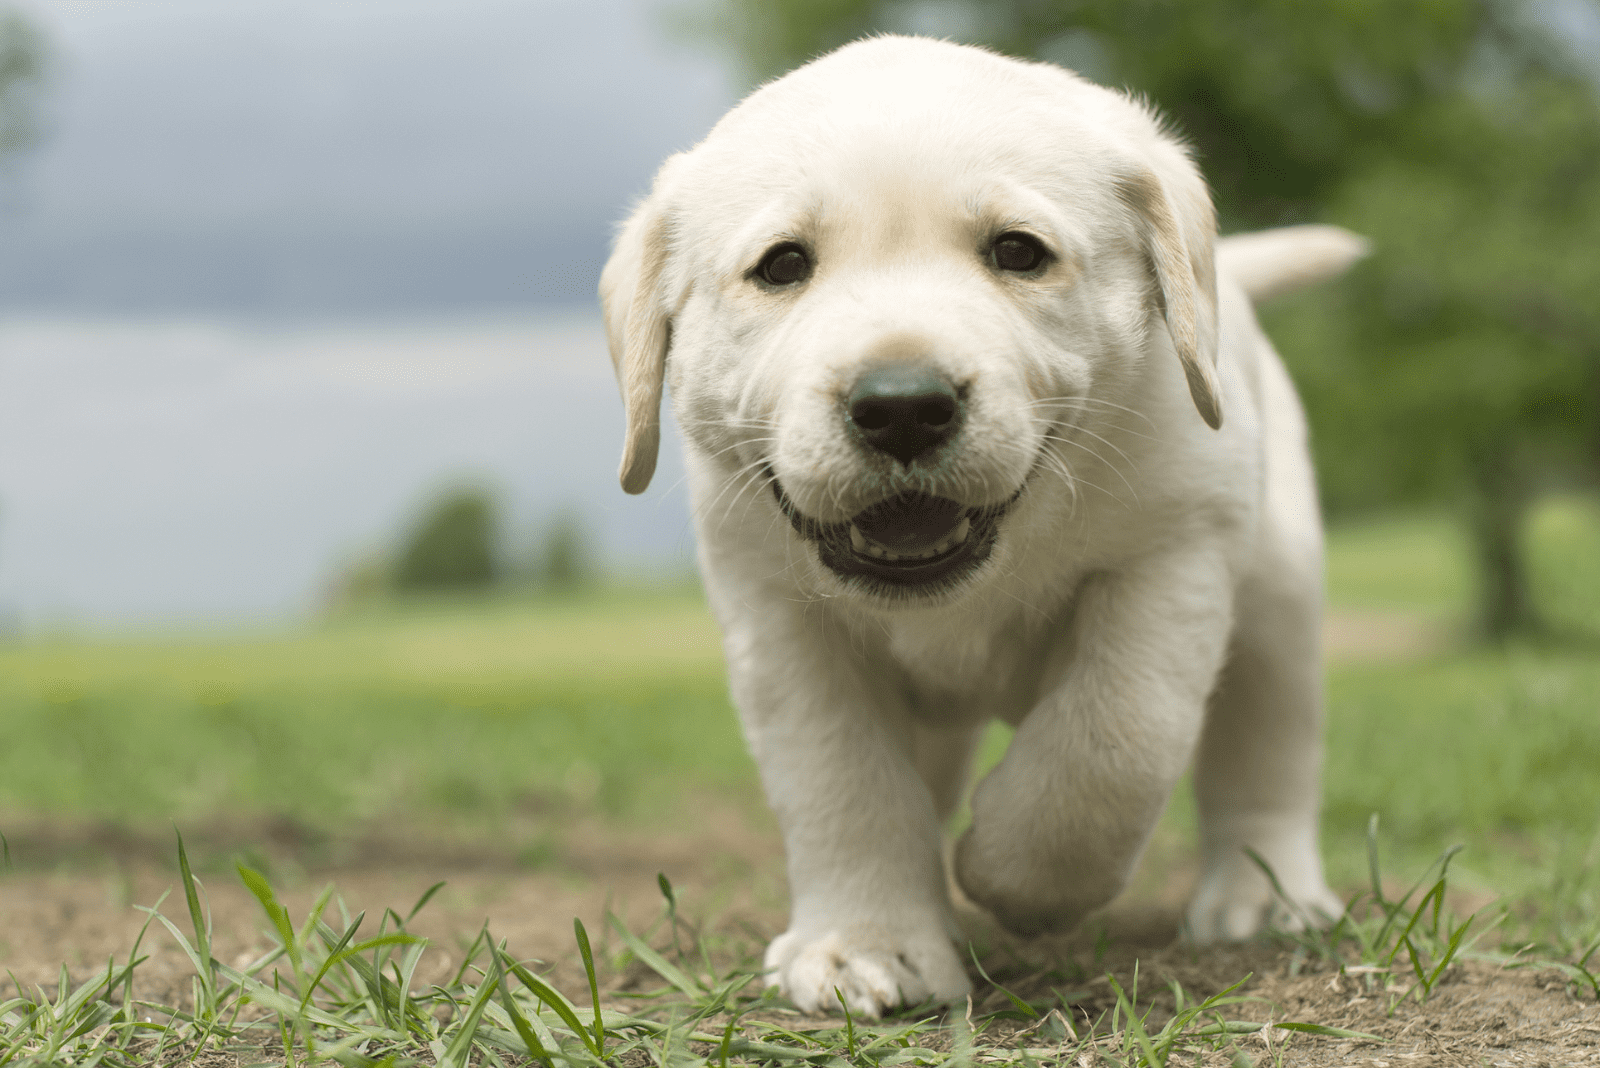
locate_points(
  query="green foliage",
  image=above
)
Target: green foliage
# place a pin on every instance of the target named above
(23, 54)
(1462, 362)
(453, 545)
(564, 560)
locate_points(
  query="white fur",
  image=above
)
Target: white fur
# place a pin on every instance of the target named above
(1154, 594)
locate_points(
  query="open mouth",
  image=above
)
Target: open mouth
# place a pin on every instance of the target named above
(910, 542)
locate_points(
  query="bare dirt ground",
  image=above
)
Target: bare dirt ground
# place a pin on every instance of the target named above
(71, 896)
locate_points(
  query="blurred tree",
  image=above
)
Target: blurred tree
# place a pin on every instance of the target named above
(452, 547)
(563, 560)
(22, 63)
(1462, 362)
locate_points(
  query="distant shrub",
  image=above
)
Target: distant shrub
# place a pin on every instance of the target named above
(452, 546)
(563, 559)
(358, 581)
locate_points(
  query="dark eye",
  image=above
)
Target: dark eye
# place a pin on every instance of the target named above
(784, 265)
(1018, 252)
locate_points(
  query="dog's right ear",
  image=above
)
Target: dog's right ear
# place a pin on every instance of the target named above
(638, 329)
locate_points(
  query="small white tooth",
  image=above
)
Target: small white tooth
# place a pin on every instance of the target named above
(858, 540)
(875, 551)
(963, 528)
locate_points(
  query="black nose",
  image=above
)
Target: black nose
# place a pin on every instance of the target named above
(904, 409)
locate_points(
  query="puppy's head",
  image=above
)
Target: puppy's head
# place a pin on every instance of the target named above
(889, 286)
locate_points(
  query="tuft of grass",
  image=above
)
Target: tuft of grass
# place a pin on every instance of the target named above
(1368, 940)
(320, 995)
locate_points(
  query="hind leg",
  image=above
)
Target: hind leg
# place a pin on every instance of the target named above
(943, 757)
(1257, 774)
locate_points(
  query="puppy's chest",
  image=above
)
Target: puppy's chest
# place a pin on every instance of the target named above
(959, 676)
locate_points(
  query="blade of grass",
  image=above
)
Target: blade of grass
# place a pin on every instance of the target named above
(201, 923)
(427, 896)
(654, 960)
(722, 1047)
(1135, 1026)
(1028, 1011)
(303, 937)
(594, 983)
(272, 998)
(460, 1048)
(1372, 863)
(1293, 906)
(331, 960)
(1452, 947)
(535, 1048)
(849, 1025)
(1327, 1032)
(1416, 916)
(127, 983)
(672, 910)
(563, 1008)
(257, 884)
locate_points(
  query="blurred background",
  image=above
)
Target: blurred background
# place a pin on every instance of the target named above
(274, 275)
(308, 509)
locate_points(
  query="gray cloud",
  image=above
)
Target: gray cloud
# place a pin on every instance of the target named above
(282, 157)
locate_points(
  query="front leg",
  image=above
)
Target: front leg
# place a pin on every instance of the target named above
(1060, 823)
(869, 912)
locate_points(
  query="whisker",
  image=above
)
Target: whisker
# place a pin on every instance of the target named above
(1103, 461)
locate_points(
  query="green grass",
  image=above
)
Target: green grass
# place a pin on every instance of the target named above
(419, 710)
(616, 701)
(1422, 564)
(1497, 749)
(1409, 563)
(329, 992)
(480, 712)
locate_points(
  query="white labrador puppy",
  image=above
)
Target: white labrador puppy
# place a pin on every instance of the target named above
(980, 424)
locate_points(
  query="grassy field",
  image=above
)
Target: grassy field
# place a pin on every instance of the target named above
(471, 712)
(472, 718)
(426, 710)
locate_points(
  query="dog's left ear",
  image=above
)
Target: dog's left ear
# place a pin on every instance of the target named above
(638, 330)
(1179, 230)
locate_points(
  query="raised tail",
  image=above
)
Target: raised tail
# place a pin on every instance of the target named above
(1270, 263)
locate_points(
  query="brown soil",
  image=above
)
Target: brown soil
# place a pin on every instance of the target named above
(74, 892)
(1350, 636)
(729, 875)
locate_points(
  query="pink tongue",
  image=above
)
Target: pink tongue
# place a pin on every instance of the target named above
(910, 522)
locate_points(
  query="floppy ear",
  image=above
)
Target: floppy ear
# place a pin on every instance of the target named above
(1178, 229)
(638, 329)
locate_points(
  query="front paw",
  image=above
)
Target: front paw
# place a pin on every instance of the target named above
(1027, 890)
(874, 968)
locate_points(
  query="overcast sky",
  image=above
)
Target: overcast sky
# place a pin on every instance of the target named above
(280, 270)
(330, 157)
